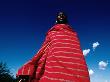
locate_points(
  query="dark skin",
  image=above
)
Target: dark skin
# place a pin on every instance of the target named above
(23, 78)
(61, 18)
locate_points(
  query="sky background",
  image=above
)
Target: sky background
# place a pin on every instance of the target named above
(24, 23)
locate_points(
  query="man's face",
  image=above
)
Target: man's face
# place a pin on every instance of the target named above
(61, 16)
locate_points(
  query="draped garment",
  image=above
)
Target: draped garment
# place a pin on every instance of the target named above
(60, 58)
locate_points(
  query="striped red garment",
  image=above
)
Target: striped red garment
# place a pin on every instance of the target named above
(60, 58)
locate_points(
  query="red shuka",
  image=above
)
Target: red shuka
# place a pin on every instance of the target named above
(60, 58)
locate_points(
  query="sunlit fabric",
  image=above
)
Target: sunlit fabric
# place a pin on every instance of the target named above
(60, 58)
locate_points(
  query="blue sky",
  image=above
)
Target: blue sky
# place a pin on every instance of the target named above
(24, 23)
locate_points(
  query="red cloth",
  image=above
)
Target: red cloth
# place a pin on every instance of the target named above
(60, 58)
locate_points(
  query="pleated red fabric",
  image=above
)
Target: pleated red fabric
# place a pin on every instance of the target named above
(60, 58)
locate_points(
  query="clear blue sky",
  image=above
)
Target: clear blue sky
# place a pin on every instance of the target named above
(24, 23)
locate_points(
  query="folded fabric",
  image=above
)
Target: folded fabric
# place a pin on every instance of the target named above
(60, 58)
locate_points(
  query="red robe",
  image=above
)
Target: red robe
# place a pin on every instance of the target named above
(60, 58)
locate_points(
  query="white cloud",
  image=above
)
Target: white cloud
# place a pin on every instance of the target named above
(95, 45)
(106, 80)
(86, 52)
(91, 72)
(102, 65)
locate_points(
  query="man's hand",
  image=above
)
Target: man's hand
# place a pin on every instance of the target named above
(23, 78)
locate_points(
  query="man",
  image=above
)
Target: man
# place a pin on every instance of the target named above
(60, 58)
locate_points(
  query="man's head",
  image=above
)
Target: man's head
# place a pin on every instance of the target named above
(61, 18)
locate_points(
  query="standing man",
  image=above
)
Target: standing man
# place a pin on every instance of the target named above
(60, 58)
